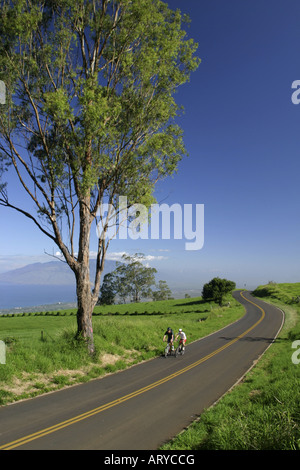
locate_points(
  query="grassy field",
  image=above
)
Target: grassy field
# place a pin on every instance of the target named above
(41, 354)
(263, 412)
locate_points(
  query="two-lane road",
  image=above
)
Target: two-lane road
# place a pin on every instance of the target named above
(148, 404)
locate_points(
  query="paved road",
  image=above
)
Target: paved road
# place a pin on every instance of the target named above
(146, 405)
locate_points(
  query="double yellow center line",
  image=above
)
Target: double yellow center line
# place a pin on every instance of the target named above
(99, 409)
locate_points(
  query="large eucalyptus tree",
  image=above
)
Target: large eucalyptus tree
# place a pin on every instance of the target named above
(89, 115)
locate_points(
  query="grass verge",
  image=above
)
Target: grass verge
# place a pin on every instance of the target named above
(263, 412)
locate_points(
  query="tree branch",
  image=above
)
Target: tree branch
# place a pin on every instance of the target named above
(4, 202)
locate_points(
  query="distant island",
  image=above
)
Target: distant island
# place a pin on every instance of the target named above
(51, 273)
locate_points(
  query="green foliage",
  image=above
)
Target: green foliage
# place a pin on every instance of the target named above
(216, 289)
(57, 106)
(132, 279)
(163, 292)
(96, 83)
(108, 290)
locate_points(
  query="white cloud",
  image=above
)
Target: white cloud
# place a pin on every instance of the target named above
(154, 258)
(117, 256)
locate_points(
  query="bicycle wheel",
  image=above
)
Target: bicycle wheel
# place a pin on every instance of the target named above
(167, 350)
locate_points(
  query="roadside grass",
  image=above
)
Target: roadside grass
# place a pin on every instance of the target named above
(42, 354)
(263, 412)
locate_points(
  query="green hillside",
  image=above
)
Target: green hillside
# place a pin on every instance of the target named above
(287, 293)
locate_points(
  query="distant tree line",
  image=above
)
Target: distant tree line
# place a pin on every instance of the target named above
(132, 281)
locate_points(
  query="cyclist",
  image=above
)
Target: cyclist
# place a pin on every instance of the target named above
(182, 338)
(170, 337)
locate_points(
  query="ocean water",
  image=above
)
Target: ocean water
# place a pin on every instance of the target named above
(14, 297)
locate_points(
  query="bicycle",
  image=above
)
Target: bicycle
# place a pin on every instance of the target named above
(169, 351)
(180, 348)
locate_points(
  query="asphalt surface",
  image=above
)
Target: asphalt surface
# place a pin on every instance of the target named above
(148, 404)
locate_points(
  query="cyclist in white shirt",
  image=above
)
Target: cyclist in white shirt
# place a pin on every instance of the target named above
(182, 338)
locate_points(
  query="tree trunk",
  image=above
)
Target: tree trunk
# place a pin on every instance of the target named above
(85, 302)
(85, 307)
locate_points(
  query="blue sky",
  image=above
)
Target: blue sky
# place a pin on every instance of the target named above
(242, 132)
